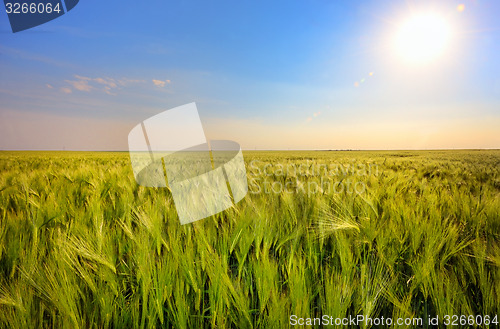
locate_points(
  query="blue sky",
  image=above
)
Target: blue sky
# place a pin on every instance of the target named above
(307, 74)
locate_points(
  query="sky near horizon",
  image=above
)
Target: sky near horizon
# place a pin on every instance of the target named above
(302, 74)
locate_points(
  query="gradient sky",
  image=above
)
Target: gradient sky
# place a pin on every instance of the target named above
(302, 74)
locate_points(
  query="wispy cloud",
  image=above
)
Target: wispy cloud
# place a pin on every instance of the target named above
(107, 90)
(79, 77)
(125, 81)
(103, 84)
(81, 84)
(66, 90)
(108, 82)
(160, 83)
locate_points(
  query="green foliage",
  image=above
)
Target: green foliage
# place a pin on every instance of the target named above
(83, 246)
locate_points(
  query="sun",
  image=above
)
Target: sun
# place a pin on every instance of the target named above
(422, 38)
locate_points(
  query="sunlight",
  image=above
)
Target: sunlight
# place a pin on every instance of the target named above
(422, 38)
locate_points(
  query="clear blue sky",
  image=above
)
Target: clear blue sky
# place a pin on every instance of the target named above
(302, 74)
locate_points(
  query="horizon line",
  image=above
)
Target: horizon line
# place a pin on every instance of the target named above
(274, 150)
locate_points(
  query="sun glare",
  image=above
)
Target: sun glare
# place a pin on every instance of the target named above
(422, 38)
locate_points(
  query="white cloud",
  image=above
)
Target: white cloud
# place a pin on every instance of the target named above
(161, 83)
(125, 81)
(107, 82)
(107, 90)
(82, 85)
(79, 77)
(104, 84)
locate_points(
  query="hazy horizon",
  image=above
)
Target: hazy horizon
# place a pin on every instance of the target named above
(272, 150)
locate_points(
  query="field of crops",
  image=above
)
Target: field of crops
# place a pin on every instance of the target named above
(399, 234)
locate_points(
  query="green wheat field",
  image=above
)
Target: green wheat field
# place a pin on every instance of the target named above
(399, 234)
